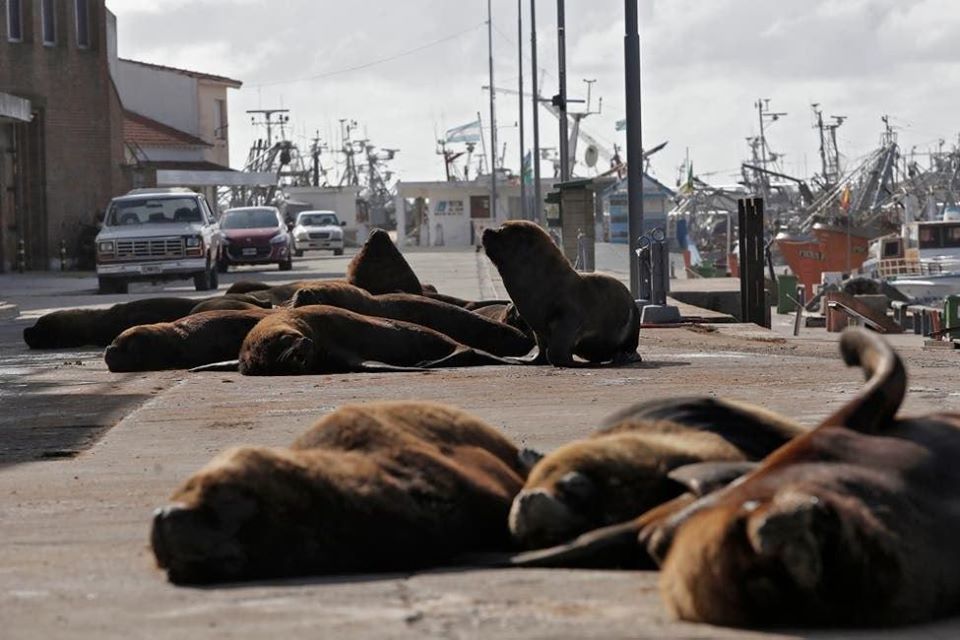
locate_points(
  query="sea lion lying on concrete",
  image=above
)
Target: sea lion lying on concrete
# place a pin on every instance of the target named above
(198, 339)
(325, 339)
(625, 469)
(592, 316)
(463, 326)
(854, 523)
(276, 295)
(231, 302)
(379, 267)
(379, 487)
(506, 313)
(98, 327)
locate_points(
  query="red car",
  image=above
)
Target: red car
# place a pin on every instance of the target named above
(255, 235)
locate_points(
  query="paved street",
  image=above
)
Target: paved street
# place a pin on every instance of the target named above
(86, 455)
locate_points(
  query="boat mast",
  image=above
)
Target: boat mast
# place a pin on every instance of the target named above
(493, 118)
(523, 184)
(538, 207)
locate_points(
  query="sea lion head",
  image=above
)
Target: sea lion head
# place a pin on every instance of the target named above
(781, 559)
(60, 329)
(585, 485)
(143, 348)
(251, 513)
(379, 267)
(514, 238)
(278, 350)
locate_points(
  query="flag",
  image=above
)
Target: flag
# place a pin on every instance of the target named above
(845, 199)
(469, 132)
(621, 125)
(526, 172)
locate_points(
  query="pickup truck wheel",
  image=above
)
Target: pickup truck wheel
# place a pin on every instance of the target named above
(202, 280)
(338, 252)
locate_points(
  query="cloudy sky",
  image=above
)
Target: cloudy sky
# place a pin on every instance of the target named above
(409, 70)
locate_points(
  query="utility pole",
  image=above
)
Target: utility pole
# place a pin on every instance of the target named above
(523, 183)
(631, 52)
(268, 120)
(537, 198)
(764, 113)
(493, 118)
(560, 100)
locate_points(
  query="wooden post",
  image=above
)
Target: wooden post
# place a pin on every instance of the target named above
(752, 297)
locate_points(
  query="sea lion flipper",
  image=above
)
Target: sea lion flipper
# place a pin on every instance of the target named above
(706, 477)
(613, 546)
(529, 457)
(373, 366)
(878, 402)
(226, 365)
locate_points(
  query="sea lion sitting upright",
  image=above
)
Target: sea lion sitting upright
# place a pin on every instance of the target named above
(854, 523)
(592, 316)
(198, 339)
(625, 468)
(463, 326)
(325, 339)
(379, 267)
(378, 487)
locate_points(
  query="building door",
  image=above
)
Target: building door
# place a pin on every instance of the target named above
(27, 193)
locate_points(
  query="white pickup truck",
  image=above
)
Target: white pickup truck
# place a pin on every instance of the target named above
(158, 234)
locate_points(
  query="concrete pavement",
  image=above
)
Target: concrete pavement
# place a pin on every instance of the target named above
(95, 452)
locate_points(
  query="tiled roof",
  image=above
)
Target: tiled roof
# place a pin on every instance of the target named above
(149, 133)
(236, 84)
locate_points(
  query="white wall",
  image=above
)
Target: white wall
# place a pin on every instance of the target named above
(341, 200)
(165, 96)
(209, 93)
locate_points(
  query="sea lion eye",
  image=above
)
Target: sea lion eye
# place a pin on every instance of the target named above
(576, 488)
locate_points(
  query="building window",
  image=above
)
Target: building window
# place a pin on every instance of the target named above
(14, 21)
(220, 120)
(48, 18)
(83, 24)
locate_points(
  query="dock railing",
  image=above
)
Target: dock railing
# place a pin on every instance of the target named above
(891, 267)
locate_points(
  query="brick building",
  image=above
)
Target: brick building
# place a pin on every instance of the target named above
(64, 164)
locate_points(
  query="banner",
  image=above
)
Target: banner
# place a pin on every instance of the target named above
(470, 132)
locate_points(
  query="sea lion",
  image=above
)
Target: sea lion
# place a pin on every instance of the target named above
(592, 316)
(507, 314)
(852, 524)
(231, 302)
(98, 327)
(471, 305)
(624, 469)
(276, 295)
(198, 339)
(325, 339)
(463, 326)
(391, 486)
(379, 267)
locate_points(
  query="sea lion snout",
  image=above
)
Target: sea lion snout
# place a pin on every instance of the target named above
(538, 519)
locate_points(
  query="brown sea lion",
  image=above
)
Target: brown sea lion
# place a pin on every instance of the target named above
(231, 302)
(507, 314)
(592, 316)
(625, 468)
(854, 523)
(280, 294)
(247, 286)
(98, 327)
(325, 339)
(379, 267)
(463, 326)
(198, 339)
(379, 487)
(471, 305)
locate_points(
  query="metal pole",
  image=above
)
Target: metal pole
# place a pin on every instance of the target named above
(631, 50)
(561, 98)
(493, 119)
(537, 198)
(763, 150)
(523, 184)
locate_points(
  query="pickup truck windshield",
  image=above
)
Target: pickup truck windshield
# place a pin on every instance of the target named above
(154, 211)
(318, 220)
(250, 219)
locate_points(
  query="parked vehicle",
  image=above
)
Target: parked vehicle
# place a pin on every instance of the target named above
(255, 235)
(158, 235)
(318, 230)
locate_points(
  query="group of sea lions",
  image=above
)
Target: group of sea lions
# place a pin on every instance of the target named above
(379, 317)
(752, 519)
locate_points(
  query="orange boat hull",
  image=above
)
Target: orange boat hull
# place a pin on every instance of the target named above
(825, 252)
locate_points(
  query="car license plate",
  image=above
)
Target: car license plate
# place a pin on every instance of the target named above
(250, 251)
(150, 268)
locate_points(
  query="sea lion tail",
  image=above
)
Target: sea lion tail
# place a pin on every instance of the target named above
(226, 365)
(878, 402)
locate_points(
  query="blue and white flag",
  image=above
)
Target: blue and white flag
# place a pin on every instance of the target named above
(470, 132)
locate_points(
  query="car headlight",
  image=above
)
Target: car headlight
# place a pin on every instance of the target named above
(303, 235)
(194, 241)
(105, 246)
(280, 238)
